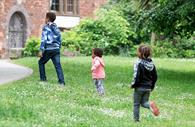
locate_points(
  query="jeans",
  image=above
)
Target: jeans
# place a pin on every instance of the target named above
(54, 55)
(141, 97)
(99, 86)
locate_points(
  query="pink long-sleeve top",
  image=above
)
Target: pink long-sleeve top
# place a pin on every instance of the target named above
(98, 68)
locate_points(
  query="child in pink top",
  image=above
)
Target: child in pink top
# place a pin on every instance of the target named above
(97, 69)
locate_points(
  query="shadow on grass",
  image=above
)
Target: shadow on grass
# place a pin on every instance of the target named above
(178, 76)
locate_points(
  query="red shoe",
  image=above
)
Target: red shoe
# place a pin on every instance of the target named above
(154, 108)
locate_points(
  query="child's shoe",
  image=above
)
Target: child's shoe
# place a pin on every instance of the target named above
(154, 108)
(136, 121)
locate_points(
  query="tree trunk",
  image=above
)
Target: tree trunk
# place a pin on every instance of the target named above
(153, 38)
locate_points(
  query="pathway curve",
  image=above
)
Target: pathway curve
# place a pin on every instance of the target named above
(11, 72)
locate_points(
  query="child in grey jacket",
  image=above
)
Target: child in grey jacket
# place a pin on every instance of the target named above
(145, 77)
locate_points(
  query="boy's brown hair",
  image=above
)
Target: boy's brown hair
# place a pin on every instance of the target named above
(143, 51)
(97, 52)
(51, 16)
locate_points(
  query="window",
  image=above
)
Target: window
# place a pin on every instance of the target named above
(55, 5)
(65, 7)
(71, 7)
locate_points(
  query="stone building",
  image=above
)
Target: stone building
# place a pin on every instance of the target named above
(21, 19)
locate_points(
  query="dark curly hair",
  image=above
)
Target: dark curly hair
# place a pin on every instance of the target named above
(98, 52)
(51, 16)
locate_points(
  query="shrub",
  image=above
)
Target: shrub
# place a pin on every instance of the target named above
(181, 48)
(110, 32)
(90, 33)
(32, 46)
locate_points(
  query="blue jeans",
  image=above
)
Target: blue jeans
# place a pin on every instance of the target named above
(141, 97)
(99, 86)
(54, 55)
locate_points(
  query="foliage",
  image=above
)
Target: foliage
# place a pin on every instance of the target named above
(109, 31)
(180, 48)
(29, 103)
(170, 17)
(32, 46)
(130, 11)
(83, 38)
(167, 19)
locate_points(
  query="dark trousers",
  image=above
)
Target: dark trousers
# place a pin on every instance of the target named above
(54, 55)
(141, 97)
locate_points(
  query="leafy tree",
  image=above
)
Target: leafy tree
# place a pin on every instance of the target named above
(171, 18)
(168, 17)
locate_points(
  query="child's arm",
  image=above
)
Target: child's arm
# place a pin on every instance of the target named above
(93, 55)
(43, 39)
(95, 65)
(136, 75)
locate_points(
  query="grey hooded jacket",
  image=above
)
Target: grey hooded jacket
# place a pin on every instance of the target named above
(145, 74)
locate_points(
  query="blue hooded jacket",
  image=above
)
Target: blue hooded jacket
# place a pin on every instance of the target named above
(51, 37)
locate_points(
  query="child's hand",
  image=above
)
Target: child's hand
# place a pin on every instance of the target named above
(91, 70)
(40, 54)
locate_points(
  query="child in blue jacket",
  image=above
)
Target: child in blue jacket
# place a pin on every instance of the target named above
(50, 48)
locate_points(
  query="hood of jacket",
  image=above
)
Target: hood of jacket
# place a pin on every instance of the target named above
(148, 64)
(53, 33)
(53, 26)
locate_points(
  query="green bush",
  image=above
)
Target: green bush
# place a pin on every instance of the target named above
(109, 31)
(32, 46)
(87, 35)
(180, 48)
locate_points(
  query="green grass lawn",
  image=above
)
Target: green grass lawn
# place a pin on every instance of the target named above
(29, 103)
